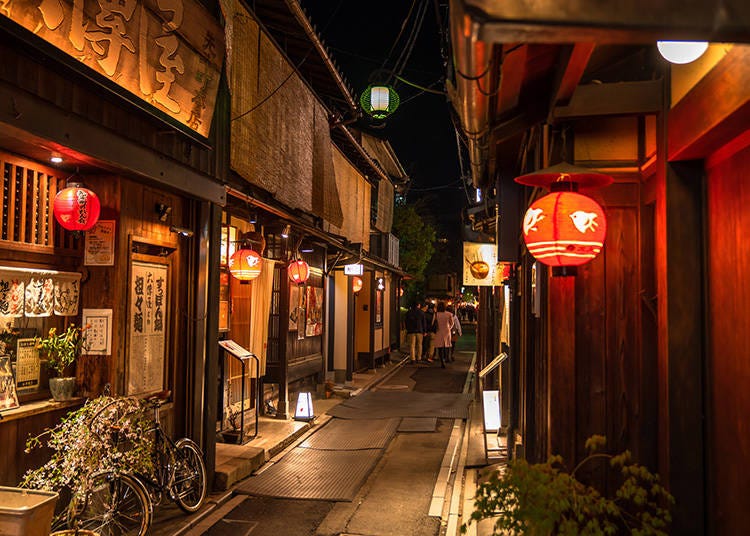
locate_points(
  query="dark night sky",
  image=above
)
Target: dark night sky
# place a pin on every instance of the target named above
(359, 36)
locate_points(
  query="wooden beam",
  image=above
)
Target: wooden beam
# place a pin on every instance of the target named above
(637, 21)
(511, 80)
(620, 98)
(573, 62)
(713, 112)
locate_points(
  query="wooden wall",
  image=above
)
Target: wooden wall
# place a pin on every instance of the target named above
(595, 369)
(728, 261)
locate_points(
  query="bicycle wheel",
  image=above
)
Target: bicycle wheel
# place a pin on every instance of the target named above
(114, 505)
(189, 486)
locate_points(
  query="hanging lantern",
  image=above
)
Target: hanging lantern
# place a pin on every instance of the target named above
(357, 284)
(379, 101)
(298, 271)
(76, 208)
(564, 229)
(245, 264)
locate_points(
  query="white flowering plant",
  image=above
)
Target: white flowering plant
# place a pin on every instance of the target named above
(106, 434)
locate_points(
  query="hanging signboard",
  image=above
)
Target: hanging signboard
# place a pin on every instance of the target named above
(100, 244)
(147, 326)
(353, 269)
(481, 266)
(167, 53)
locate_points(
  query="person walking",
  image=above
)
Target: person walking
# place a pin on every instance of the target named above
(456, 332)
(444, 321)
(415, 329)
(430, 329)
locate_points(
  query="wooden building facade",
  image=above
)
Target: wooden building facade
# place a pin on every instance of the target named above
(137, 139)
(646, 344)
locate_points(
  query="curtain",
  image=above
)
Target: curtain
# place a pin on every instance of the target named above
(260, 309)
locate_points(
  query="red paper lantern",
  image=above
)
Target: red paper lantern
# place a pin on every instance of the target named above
(357, 284)
(76, 208)
(298, 271)
(564, 229)
(245, 264)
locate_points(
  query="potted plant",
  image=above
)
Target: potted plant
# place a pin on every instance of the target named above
(61, 350)
(542, 499)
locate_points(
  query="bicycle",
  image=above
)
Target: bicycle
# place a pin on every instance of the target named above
(119, 503)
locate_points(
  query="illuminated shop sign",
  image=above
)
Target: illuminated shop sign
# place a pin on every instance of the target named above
(166, 52)
(353, 269)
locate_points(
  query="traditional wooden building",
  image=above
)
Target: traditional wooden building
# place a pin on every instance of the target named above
(314, 191)
(124, 100)
(646, 344)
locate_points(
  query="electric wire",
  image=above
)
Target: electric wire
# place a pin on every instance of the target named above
(409, 48)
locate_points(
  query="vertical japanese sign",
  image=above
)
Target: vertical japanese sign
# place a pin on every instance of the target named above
(147, 327)
(27, 364)
(166, 52)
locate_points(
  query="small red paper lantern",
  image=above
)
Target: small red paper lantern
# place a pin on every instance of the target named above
(357, 284)
(245, 264)
(298, 271)
(76, 208)
(564, 229)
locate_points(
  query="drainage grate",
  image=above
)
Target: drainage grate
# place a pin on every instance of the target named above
(341, 434)
(418, 424)
(391, 404)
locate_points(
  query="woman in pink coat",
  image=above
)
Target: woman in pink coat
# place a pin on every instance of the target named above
(443, 335)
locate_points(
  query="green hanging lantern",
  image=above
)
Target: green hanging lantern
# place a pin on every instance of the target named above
(379, 101)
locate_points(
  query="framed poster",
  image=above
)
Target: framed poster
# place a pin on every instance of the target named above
(99, 333)
(8, 395)
(147, 327)
(27, 364)
(294, 308)
(314, 321)
(100, 244)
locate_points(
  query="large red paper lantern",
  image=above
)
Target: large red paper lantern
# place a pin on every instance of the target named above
(564, 229)
(357, 284)
(245, 264)
(76, 208)
(298, 271)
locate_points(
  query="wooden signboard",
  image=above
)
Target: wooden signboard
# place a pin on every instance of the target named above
(166, 52)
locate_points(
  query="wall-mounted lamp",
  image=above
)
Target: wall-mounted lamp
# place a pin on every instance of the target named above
(182, 231)
(253, 218)
(163, 211)
(56, 159)
(285, 232)
(681, 52)
(306, 249)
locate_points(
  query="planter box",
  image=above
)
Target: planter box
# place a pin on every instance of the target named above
(26, 512)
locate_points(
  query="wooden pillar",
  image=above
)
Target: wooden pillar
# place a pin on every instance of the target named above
(561, 364)
(685, 344)
(282, 411)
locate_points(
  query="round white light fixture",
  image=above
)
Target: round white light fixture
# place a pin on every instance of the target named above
(681, 52)
(56, 159)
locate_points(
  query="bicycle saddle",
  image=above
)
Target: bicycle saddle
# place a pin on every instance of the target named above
(160, 397)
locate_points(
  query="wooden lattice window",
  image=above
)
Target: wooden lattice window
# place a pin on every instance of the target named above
(28, 190)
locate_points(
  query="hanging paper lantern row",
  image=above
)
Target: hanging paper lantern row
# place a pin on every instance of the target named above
(564, 229)
(357, 284)
(298, 271)
(245, 264)
(76, 208)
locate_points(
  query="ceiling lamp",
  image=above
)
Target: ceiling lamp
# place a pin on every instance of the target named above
(564, 229)
(298, 271)
(245, 264)
(357, 284)
(379, 101)
(681, 52)
(76, 208)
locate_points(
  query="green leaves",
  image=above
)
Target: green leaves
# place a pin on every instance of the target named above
(542, 499)
(416, 239)
(64, 348)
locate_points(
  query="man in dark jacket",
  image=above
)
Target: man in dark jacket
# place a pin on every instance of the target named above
(415, 329)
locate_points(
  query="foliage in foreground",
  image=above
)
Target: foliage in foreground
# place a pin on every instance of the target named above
(106, 434)
(541, 499)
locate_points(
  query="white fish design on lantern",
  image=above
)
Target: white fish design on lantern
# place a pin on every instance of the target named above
(532, 217)
(584, 221)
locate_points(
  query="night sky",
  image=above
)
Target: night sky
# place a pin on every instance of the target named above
(359, 37)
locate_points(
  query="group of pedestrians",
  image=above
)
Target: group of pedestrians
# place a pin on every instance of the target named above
(430, 331)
